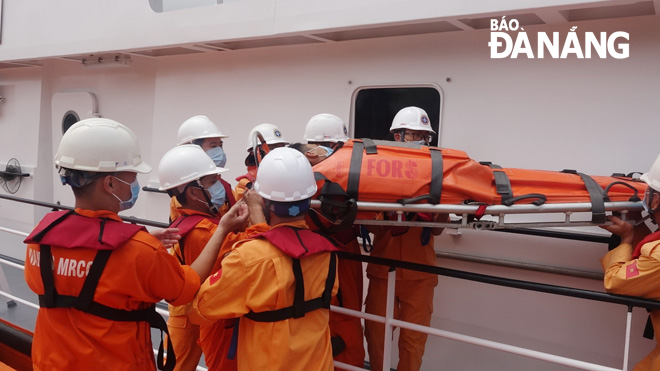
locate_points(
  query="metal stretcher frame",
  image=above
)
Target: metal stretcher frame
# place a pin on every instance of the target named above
(466, 213)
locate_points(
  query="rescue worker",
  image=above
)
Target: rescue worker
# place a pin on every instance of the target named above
(326, 130)
(413, 290)
(280, 282)
(313, 152)
(346, 331)
(97, 298)
(200, 130)
(189, 175)
(273, 137)
(633, 268)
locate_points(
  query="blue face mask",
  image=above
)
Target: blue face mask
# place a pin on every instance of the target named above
(328, 151)
(218, 156)
(420, 142)
(135, 190)
(217, 192)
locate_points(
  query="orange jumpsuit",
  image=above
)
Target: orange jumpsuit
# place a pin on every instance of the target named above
(215, 338)
(636, 277)
(413, 294)
(257, 276)
(350, 295)
(185, 335)
(138, 273)
(243, 181)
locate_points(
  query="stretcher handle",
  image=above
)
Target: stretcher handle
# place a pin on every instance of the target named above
(540, 199)
(426, 197)
(634, 198)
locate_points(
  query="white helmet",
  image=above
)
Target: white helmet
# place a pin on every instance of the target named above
(325, 127)
(270, 132)
(285, 175)
(413, 118)
(198, 127)
(100, 145)
(184, 164)
(652, 177)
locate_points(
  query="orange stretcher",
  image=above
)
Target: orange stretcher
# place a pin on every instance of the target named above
(390, 172)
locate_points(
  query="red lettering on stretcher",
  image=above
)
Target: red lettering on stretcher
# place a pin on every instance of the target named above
(391, 168)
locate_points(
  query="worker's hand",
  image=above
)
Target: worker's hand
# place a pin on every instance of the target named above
(255, 206)
(620, 228)
(167, 236)
(235, 218)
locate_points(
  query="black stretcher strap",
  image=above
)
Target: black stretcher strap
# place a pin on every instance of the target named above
(596, 195)
(436, 175)
(369, 146)
(502, 182)
(300, 307)
(353, 185)
(503, 186)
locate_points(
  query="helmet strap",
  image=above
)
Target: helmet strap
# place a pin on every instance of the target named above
(212, 208)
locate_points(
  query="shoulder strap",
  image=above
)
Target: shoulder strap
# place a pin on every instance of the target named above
(228, 192)
(185, 223)
(300, 307)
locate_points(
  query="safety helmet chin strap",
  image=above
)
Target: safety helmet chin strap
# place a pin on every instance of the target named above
(212, 208)
(651, 195)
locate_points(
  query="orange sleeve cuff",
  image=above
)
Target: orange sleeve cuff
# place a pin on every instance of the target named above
(190, 286)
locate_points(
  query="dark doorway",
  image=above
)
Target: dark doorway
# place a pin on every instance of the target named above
(376, 107)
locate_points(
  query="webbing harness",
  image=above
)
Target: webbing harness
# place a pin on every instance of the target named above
(185, 224)
(300, 306)
(85, 300)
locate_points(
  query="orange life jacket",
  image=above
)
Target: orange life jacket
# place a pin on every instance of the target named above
(185, 224)
(298, 244)
(66, 229)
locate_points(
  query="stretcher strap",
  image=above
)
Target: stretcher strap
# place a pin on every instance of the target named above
(436, 175)
(369, 146)
(502, 183)
(353, 185)
(503, 186)
(504, 189)
(596, 195)
(300, 307)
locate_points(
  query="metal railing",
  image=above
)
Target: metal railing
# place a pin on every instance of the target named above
(390, 323)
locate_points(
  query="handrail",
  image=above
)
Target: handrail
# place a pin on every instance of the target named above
(56, 207)
(151, 189)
